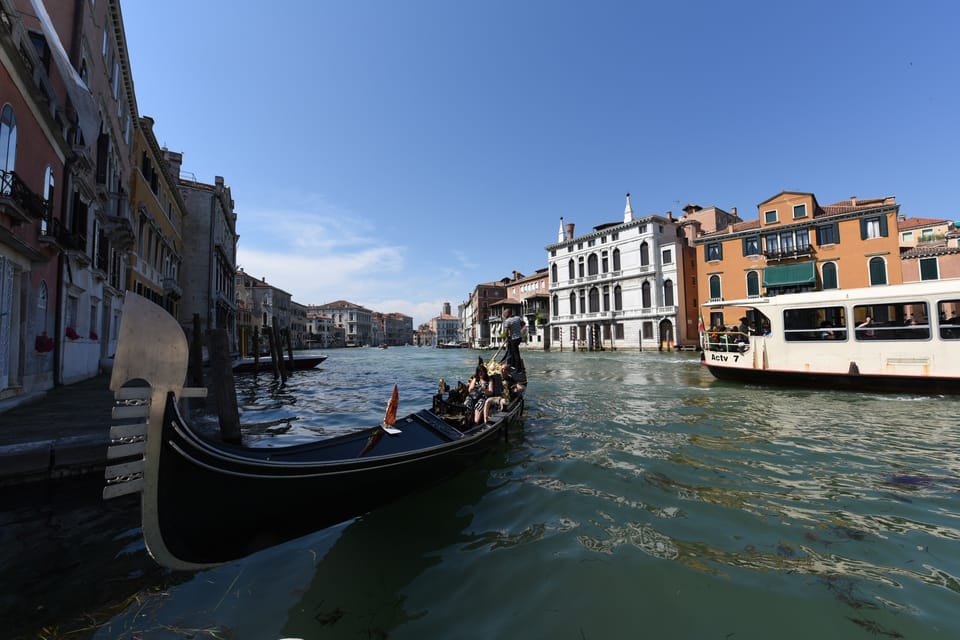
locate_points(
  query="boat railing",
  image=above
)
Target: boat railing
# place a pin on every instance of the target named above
(881, 331)
(727, 341)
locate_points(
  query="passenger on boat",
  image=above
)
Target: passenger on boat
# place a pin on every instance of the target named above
(478, 391)
(474, 387)
(827, 332)
(865, 332)
(492, 395)
(743, 335)
(501, 386)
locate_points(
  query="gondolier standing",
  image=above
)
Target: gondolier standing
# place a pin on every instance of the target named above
(513, 326)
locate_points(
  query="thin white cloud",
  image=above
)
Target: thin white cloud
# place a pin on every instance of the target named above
(319, 252)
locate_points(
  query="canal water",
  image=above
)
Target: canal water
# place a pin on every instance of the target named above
(640, 499)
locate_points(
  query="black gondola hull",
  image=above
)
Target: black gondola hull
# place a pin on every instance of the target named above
(216, 503)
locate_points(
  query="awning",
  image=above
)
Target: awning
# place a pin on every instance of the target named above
(789, 274)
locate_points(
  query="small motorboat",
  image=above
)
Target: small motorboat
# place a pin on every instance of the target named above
(299, 363)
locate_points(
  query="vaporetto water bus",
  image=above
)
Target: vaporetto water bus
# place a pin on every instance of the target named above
(894, 338)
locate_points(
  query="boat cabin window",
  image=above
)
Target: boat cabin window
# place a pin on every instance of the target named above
(815, 323)
(949, 313)
(896, 321)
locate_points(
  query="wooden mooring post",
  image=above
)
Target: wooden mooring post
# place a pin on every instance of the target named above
(224, 386)
(195, 365)
(278, 354)
(286, 333)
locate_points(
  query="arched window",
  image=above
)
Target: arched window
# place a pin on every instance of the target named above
(753, 284)
(571, 270)
(573, 302)
(617, 298)
(553, 273)
(594, 300)
(8, 142)
(592, 265)
(878, 271)
(556, 305)
(668, 293)
(645, 295)
(644, 254)
(616, 259)
(828, 273)
(715, 288)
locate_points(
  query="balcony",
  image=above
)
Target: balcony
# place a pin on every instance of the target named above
(775, 255)
(172, 288)
(18, 201)
(53, 232)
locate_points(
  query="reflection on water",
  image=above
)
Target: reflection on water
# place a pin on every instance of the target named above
(641, 498)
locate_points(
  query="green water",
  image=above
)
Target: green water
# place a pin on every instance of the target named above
(641, 499)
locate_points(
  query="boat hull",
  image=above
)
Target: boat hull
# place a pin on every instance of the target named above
(839, 382)
(214, 504)
(248, 365)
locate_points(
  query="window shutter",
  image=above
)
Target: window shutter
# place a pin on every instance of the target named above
(103, 146)
(883, 226)
(928, 269)
(863, 229)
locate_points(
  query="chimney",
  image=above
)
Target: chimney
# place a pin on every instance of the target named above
(669, 216)
(628, 211)
(853, 201)
(560, 236)
(446, 308)
(569, 231)
(733, 211)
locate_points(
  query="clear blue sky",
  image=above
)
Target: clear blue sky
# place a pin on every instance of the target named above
(396, 153)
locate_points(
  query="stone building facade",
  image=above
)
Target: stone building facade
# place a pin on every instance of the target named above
(621, 285)
(210, 257)
(66, 128)
(154, 267)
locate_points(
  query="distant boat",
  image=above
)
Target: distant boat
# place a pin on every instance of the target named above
(451, 345)
(383, 345)
(247, 365)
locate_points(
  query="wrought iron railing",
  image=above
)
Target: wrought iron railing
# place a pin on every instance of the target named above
(12, 187)
(54, 229)
(788, 254)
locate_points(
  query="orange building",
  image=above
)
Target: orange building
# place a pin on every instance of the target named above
(797, 245)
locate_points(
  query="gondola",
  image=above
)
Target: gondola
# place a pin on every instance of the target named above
(205, 502)
(299, 363)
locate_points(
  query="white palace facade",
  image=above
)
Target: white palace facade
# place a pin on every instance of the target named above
(623, 286)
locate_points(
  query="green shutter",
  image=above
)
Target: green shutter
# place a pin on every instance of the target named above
(878, 271)
(928, 269)
(829, 272)
(753, 284)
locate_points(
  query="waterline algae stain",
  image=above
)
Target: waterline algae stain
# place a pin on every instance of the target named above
(642, 498)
